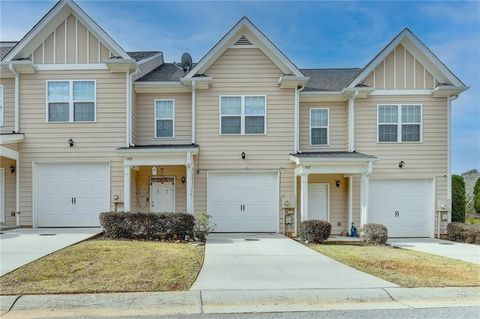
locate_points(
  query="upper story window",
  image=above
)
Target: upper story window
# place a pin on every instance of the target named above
(164, 118)
(399, 123)
(319, 132)
(243, 115)
(71, 101)
(2, 111)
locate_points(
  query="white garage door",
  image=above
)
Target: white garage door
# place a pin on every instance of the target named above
(403, 206)
(243, 202)
(71, 195)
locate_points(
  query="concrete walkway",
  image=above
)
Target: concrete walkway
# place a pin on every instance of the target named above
(21, 246)
(451, 249)
(272, 261)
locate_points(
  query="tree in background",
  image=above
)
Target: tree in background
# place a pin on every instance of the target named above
(476, 197)
(459, 199)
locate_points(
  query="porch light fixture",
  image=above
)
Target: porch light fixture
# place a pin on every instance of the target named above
(243, 155)
(12, 169)
(338, 183)
(401, 164)
(71, 142)
(183, 179)
(154, 170)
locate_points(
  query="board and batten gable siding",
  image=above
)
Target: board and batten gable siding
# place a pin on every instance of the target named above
(244, 71)
(338, 126)
(145, 118)
(71, 42)
(400, 70)
(8, 105)
(423, 160)
(47, 142)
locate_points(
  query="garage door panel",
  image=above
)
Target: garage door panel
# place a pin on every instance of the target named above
(409, 198)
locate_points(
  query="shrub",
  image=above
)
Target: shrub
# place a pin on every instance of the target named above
(203, 226)
(315, 231)
(456, 231)
(459, 199)
(374, 234)
(476, 196)
(147, 226)
(472, 235)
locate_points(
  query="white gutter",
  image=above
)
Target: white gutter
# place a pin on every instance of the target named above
(297, 119)
(351, 122)
(17, 97)
(449, 149)
(193, 112)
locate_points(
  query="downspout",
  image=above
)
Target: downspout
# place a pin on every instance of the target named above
(193, 112)
(129, 108)
(449, 150)
(297, 119)
(17, 128)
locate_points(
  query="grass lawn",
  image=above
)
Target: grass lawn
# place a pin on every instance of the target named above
(405, 267)
(108, 266)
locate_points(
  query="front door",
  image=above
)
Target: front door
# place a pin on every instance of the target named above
(162, 194)
(318, 201)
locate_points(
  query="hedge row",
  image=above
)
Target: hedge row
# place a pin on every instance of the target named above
(464, 233)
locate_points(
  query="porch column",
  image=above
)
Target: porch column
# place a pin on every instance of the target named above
(17, 191)
(304, 196)
(127, 188)
(189, 168)
(363, 199)
(350, 203)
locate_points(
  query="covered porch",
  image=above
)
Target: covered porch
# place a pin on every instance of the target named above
(158, 178)
(332, 186)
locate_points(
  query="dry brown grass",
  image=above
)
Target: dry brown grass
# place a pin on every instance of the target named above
(405, 267)
(108, 266)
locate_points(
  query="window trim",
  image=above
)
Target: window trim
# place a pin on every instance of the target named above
(155, 120)
(242, 115)
(71, 110)
(2, 102)
(399, 123)
(310, 127)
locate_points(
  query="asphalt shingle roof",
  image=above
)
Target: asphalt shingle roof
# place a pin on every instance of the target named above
(329, 79)
(142, 55)
(165, 72)
(5, 47)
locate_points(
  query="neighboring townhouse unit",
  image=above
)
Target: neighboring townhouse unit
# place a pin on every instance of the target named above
(243, 134)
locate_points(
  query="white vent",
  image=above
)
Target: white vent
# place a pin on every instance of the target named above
(242, 41)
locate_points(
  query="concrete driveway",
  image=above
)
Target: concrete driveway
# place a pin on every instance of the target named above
(21, 246)
(272, 261)
(446, 248)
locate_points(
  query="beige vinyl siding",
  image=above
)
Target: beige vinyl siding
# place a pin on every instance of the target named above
(425, 160)
(79, 44)
(8, 105)
(134, 117)
(402, 71)
(10, 182)
(244, 72)
(338, 126)
(47, 142)
(145, 118)
(141, 187)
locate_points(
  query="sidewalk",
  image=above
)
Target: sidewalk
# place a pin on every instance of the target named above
(233, 301)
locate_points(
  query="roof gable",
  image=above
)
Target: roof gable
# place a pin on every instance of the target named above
(55, 17)
(419, 51)
(245, 30)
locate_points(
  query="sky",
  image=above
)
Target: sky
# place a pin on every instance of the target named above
(312, 34)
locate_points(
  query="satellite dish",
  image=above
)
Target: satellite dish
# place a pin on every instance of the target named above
(186, 62)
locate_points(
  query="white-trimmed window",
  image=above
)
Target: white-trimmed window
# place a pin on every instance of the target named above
(2, 107)
(164, 118)
(319, 131)
(397, 123)
(71, 101)
(243, 115)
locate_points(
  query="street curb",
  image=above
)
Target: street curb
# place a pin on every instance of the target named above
(234, 301)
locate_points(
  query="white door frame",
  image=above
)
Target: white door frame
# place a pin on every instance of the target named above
(277, 201)
(174, 189)
(2, 195)
(328, 197)
(34, 181)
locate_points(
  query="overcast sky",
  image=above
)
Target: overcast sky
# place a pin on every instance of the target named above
(311, 34)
